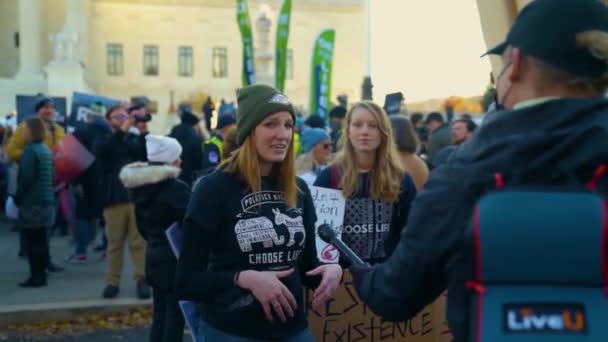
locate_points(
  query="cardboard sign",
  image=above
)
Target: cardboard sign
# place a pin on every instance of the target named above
(347, 319)
(329, 205)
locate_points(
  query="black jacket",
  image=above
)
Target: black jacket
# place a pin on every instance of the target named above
(548, 144)
(160, 200)
(88, 202)
(113, 151)
(192, 154)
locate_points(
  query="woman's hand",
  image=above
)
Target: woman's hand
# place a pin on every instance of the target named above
(268, 289)
(331, 274)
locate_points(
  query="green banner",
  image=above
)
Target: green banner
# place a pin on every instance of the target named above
(242, 17)
(281, 44)
(320, 78)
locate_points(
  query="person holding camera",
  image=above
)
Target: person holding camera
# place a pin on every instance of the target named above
(115, 150)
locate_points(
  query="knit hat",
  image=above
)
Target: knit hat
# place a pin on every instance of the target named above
(338, 112)
(44, 101)
(225, 120)
(162, 149)
(311, 137)
(315, 121)
(255, 103)
(189, 119)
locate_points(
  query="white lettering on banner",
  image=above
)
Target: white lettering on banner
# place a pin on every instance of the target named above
(329, 206)
(83, 113)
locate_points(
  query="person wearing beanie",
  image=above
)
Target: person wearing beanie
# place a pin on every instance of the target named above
(213, 149)
(249, 234)
(336, 120)
(45, 110)
(187, 134)
(550, 134)
(160, 200)
(318, 150)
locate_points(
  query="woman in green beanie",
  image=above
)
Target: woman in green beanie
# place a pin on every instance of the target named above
(249, 234)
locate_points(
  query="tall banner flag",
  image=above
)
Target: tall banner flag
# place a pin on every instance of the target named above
(242, 17)
(320, 79)
(281, 44)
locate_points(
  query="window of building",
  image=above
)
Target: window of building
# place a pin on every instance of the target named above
(289, 65)
(220, 62)
(151, 60)
(114, 59)
(185, 61)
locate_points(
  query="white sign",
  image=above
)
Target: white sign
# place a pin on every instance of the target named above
(329, 205)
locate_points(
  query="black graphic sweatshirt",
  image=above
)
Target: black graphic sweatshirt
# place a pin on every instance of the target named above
(229, 229)
(372, 228)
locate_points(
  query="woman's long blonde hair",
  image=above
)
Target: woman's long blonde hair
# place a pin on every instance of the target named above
(245, 164)
(386, 174)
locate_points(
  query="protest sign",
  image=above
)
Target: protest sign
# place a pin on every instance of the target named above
(347, 319)
(26, 107)
(70, 159)
(329, 205)
(189, 309)
(82, 107)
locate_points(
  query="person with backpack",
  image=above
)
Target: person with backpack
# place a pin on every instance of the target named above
(378, 192)
(160, 199)
(250, 248)
(551, 132)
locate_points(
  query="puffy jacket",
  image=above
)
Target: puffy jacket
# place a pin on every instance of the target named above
(552, 143)
(160, 200)
(17, 143)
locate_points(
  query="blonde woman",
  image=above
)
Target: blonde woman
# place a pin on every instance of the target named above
(249, 234)
(378, 191)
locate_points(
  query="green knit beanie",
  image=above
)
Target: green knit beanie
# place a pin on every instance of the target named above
(256, 102)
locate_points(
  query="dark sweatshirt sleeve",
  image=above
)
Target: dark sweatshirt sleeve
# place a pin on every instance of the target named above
(400, 214)
(413, 276)
(180, 202)
(193, 280)
(309, 260)
(324, 178)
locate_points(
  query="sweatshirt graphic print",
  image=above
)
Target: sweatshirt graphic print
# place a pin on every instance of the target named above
(267, 232)
(228, 229)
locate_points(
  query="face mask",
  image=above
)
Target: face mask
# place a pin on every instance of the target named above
(500, 105)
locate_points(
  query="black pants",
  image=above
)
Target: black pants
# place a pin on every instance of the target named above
(168, 321)
(37, 250)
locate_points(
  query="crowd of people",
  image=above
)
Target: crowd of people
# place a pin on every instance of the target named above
(244, 206)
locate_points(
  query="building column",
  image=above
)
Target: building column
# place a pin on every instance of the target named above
(30, 49)
(367, 86)
(76, 22)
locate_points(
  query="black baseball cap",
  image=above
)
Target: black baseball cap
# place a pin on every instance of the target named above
(548, 29)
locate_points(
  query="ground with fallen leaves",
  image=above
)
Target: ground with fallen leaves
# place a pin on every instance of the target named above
(81, 326)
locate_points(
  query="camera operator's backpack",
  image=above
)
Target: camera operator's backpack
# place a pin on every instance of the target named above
(538, 265)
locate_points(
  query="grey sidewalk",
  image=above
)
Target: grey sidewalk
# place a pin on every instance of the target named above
(75, 290)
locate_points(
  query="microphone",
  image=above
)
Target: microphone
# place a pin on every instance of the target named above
(328, 235)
